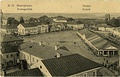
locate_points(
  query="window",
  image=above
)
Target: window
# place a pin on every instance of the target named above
(11, 55)
(33, 59)
(94, 73)
(40, 67)
(37, 60)
(7, 56)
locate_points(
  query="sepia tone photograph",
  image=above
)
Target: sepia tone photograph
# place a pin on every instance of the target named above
(46, 38)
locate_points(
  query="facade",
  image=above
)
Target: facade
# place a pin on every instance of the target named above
(27, 28)
(70, 65)
(57, 26)
(42, 28)
(10, 56)
(9, 29)
(75, 26)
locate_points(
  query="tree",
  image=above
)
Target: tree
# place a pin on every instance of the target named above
(12, 20)
(21, 20)
(45, 19)
(70, 19)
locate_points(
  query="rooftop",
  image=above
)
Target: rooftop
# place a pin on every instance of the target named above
(43, 51)
(87, 33)
(28, 72)
(9, 38)
(29, 24)
(10, 26)
(69, 65)
(9, 49)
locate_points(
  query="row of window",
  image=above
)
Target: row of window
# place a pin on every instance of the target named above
(8, 56)
(27, 57)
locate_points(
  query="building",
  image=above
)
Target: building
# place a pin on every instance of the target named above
(42, 28)
(70, 65)
(10, 40)
(9, 49)
(8, 29)
(107, 17)
(10, 56)
(34, 52)
(27, 28)
(28, 72)
(57, 26)
(75, 26)
(99, 46)
(104, 27)
(4, 21)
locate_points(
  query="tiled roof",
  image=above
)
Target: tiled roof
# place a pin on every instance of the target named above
(29, 24)
(9, 49)
(43, 51)
(28, 72)
(87, 33)
(10, 26)
(9, 38)
(69, 65)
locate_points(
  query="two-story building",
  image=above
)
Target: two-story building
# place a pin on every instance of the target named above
(9, 29)
(9, 50)
(74, 26)
(27, 28)
(42, 28)
(57, 26)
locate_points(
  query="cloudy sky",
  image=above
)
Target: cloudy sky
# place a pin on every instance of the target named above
(62, 6)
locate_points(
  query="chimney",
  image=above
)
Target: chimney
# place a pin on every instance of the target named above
(58, 55)
(56, 47)
(40, 43)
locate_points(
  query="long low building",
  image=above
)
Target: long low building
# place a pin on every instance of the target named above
(100, 46)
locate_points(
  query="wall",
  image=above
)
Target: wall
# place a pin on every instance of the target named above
(88, 73)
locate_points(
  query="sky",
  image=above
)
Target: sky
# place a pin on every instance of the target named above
(61, 6)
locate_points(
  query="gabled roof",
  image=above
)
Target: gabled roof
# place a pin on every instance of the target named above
(29, 24)
(69, 65)
(9, 49)
(43, 51)
(9, 38)
(10, 26)
(28, 72)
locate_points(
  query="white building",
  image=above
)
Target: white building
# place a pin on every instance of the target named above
(75, 26)
(27, 28)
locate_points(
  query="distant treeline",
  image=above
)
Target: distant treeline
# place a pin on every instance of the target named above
(114, 22)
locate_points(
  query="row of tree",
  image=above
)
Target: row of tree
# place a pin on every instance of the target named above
(115, 22)
(43, 20)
